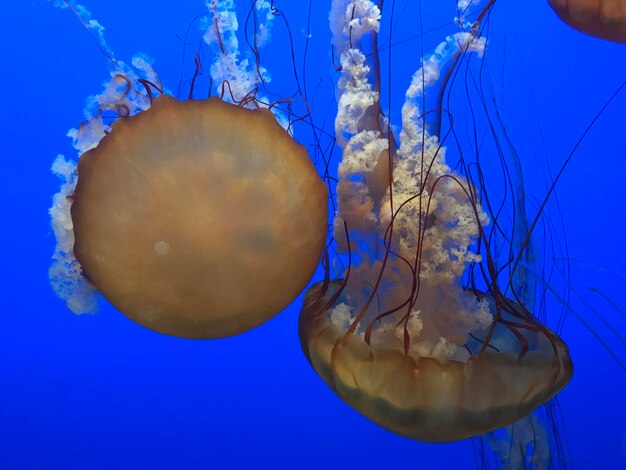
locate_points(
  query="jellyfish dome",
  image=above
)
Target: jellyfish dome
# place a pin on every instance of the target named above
(198, 218)
(605, 19)
(432, 391)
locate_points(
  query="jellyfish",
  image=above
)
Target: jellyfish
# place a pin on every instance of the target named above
(194, 218)
(409, 336)
(605, 19)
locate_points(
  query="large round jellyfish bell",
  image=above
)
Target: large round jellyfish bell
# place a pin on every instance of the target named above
(198, 219)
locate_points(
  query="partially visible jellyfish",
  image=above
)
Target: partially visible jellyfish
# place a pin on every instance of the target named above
(605, 19)
(425, 334)
(197, 218)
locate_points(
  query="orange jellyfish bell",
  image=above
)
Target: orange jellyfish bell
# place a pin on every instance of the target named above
(199, 219)
(426, 398)
(605, 19)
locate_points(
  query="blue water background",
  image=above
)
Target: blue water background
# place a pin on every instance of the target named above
(99, 392)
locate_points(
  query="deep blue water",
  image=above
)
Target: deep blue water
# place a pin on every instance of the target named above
(99, 392)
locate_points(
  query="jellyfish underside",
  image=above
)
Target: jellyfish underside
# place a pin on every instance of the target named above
(427, 398)
(605, 19)
(198, 219)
